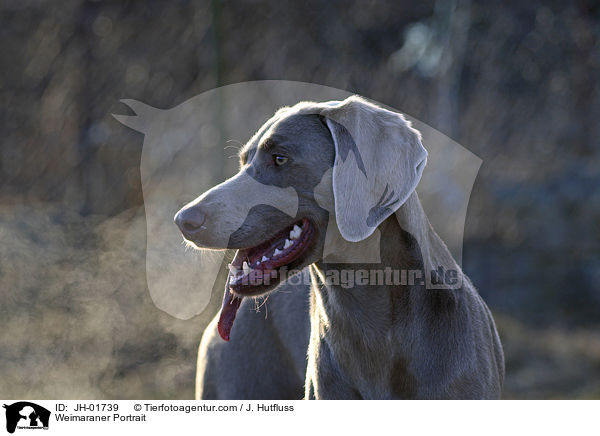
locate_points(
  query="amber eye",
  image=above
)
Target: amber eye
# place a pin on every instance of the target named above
(279, 160)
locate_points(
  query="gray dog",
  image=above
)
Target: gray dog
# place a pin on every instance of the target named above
(331, 186)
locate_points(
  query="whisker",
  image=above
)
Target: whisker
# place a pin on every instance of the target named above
(240, 145)
(263, 303)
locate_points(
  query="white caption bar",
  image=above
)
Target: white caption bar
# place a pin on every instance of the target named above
(299, 417)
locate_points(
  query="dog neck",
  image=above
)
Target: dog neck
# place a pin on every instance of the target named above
(368, 329)
(378, 295)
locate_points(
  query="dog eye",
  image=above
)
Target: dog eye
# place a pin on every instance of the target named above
(279, 160)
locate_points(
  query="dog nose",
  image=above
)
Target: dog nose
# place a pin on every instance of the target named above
(189, 221)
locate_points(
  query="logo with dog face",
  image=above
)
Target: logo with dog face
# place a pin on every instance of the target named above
(26, 415)
(314, 184)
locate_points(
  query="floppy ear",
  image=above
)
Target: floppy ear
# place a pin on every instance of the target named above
(378, 164)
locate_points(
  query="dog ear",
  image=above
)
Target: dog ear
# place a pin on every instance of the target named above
(378, 164)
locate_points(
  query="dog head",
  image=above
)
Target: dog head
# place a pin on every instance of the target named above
(348, 158)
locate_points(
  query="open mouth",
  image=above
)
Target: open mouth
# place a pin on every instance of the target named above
(258, 269)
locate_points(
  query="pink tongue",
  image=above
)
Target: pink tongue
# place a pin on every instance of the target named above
(231, 304)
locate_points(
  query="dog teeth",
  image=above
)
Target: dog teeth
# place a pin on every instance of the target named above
(264, 259)
(232, 269)
(287, 244)
(246, 268)
(295, 232)
(277, 252)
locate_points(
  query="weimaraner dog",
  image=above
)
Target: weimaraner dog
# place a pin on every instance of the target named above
(327, 190)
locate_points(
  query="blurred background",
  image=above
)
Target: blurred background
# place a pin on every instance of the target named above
(514, 82)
